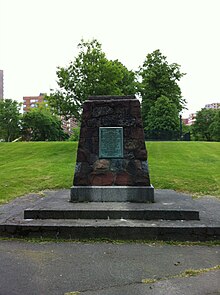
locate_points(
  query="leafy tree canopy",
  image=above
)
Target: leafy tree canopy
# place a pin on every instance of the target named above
(162, 120)
(9, 119)
(91, 73)
(215, 126)
(158, 78)
(207, 125)
(40, 125)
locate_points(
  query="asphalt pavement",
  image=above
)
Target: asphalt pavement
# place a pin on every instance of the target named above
(70, 268)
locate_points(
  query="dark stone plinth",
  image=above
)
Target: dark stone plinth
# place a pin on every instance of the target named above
(130, 167)
(137, 194)
(100, 212)
(164, 209)
(13, 224)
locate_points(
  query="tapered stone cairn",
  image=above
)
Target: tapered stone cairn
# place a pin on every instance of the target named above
(111, 161)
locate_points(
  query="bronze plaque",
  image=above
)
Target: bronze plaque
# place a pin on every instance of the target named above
(111, 142)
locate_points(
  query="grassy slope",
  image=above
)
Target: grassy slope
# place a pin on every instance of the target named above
(31, 167)
(192, 167)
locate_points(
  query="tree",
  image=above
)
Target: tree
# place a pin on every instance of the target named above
(158, 78)
(215, 127)
(75, 135)
(9, 119)
(91, 73)
(40, 125)
(205, 125)
(163, 120)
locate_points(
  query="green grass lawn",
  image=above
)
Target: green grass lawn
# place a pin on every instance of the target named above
(27, 167)
(192, 167)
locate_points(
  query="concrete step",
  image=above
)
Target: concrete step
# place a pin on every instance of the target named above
(112, 229)
(165, 207)
(168, 204)
(111, 211)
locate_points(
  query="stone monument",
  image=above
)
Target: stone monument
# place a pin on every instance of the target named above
(111, 163)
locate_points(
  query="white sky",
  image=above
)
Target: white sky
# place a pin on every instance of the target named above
(36, 36)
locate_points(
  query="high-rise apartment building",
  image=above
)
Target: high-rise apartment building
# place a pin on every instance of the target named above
(214, 105)
(1, 84)
(68, 125)
(30, 102)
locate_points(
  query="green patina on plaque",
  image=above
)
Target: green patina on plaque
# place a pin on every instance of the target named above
(111, 142)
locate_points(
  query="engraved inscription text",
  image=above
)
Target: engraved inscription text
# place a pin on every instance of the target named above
(111, 142)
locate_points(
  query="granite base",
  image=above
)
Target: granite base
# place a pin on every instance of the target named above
(135, 194)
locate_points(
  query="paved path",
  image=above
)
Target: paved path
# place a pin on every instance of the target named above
(105, 269)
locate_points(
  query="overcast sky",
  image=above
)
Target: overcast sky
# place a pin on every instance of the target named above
(36, 36)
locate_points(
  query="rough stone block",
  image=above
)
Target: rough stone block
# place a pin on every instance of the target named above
(123, 179)
(98, 179)
(127, 168)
